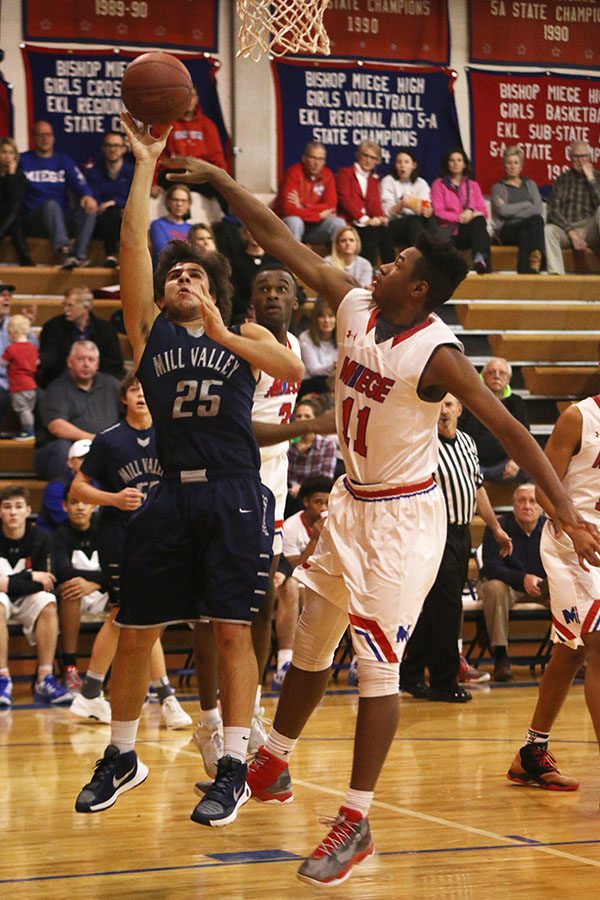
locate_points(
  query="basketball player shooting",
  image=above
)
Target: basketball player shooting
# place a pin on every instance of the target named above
(382, 544)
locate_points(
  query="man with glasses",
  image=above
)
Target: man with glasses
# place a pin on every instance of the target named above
(307, 199)
(110, 179)
(574, 209)
(359, 202)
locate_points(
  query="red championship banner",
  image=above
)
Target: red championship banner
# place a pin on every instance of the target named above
(562, 33)
(184, 24)
(6, 112)
(408, 31)
(541, 113)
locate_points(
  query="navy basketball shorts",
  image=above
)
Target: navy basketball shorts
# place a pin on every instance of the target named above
(111, 543)
(198, 550)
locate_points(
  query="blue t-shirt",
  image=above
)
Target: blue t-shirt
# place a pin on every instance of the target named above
(49, 177)
(106, 188)
(200, 396)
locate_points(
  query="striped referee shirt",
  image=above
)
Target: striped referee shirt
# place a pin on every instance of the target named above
(459, 476)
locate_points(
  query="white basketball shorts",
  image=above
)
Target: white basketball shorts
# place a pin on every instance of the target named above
(273, 474)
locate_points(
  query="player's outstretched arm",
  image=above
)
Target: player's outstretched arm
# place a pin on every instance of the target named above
(267, 229)
(269, 433)
(139, 310)
(448, 370)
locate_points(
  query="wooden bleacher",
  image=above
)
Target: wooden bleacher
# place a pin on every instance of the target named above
(554, 381)
(495, 314)
(566, 346)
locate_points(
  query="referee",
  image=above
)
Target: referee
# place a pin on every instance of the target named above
(434, 642)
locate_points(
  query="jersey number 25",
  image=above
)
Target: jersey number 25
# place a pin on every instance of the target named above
(201, 396)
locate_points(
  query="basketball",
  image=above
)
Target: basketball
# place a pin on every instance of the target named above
(156, 88)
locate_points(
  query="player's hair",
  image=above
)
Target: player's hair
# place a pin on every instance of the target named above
(445, 171)
(130, 378)
(415, 172)
(441, 265)
(320, 308)
(215, 265)
(14, 491)
(317, 484)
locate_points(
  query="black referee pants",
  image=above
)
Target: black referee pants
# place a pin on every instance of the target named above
(434, 642)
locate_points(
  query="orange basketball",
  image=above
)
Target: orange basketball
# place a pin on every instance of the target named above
(156, 88)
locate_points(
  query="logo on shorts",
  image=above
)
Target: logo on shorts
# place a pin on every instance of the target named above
(571, 615)
(403, 633)
(265, 530)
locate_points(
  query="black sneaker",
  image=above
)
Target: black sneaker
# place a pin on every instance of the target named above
(228, 792)
(114, 774)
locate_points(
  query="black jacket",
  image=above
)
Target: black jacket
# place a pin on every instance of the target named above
(56, 339)
(32, 552)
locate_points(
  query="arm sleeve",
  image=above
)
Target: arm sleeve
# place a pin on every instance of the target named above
(75, 178)
(441, 203)
(55, 404)
(351, 201)
(214, 149)
(477, 201)
(556, 203)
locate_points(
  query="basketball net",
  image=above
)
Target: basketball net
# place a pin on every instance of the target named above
(282, 26)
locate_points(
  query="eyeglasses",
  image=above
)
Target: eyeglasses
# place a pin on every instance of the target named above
(112, 146)
(369, 156)
(580, 155)
(314, 158)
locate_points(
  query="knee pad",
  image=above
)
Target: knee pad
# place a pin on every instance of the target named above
(320, 629)
(378, 679)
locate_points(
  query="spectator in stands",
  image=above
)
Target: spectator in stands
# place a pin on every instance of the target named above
(300, 535)
(51, 178)
(77, 322)
(202, 238)
(307, 199)
(459, 209)
(574, 209)
(6, 292)
(345, 254)
(13, 186)
(26, 595)
(52, 511)
(21, 360)
(174, 226)
(359, 202)
(77, 405)
(495, 465)
(247, 258)
(405, 200)
(518, 213)
(311, 454)
(194, 134)
(318, 346)
(82, 587)
(434, 639)
(518, 578)
(110, 180)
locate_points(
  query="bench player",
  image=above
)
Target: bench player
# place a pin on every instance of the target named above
(383, 540)
(201, 544)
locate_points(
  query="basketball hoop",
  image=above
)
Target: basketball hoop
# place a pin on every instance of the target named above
(282, 26)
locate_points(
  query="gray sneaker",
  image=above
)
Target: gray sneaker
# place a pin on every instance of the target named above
(348, 843)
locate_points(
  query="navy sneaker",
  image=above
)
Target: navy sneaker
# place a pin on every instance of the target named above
(114, 774)
(5, 691)
(228, 792)
(52, 691)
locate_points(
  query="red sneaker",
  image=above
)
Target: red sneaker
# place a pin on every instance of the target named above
(72, 679)
(534, 764)
(346, 845)
(268, 778)
(468, 674)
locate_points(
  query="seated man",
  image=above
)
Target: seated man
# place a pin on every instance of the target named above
(48, 212)
(110, 180)
(26, 595)
(82, 587)
(300, 535)
(518, 578)
(77, 405)
(307, 198)
(574, 209)
(495, 465)
(77, 322)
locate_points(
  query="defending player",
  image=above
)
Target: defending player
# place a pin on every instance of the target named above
(574, 450)
(382, 544)
(201, 544)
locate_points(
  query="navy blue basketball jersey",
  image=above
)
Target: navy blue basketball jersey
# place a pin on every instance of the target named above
(200, 395)
(120, 457)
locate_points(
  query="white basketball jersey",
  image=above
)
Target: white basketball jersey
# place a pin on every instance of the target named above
(274, 401)
(582, 481)
(387, 434)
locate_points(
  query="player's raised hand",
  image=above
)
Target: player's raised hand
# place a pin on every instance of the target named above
(191, 170)
(214, 326)
(144, 145)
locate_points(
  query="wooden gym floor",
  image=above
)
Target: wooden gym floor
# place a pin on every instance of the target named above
(446, 822)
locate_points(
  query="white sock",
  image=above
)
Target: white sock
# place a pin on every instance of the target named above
(210, 718)
(283, 657)
(536, 737)
(4, 673)
(280, 745)
(257, 707)
(236, 742)
(123, 734)
(359, 800)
